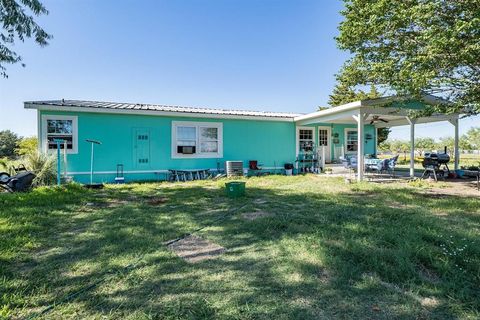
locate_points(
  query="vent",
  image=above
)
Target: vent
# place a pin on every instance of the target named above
(234, 168)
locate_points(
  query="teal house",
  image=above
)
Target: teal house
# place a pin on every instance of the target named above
(149, 140)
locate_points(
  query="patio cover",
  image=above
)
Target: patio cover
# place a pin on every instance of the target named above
(396, 110)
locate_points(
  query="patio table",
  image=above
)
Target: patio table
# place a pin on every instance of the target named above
(371, 163)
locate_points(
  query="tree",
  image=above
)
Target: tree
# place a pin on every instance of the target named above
(400, 146)
(473, 138)
(415, 47)
(26, 146)
(8, 143)
(424, 144)
(448, 142)
(385, 146)
(18, 24)
(342, 93)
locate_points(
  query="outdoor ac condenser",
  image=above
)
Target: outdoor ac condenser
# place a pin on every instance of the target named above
(234, 168)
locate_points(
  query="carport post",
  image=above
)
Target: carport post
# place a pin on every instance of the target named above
(456, 148)
(412, 146)
(360, 118)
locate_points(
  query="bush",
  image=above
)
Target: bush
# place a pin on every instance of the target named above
(43, 165)
(26, 146)
(7, 165)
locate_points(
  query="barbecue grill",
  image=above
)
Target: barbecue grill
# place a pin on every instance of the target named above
(433, 162)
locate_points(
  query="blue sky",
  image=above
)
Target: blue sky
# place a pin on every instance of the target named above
(257, 55)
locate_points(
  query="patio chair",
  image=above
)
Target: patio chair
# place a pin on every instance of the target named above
(349, 162)
(256, 170)
(390, 168)
(379, 167)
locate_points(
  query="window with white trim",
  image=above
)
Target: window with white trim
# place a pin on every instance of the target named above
(323, 137)
(351, 140)
(63, 128)
(305, 140)
(197, 139)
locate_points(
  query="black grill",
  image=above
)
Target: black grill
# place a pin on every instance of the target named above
(432, 163)
(435, 159)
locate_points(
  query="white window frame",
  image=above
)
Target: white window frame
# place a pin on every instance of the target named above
(345, 142)
(297, 139)
(198, 154)
(43, 141)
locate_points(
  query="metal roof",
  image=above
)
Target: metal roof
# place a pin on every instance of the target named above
(112, 106)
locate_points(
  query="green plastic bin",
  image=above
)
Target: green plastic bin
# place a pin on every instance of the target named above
(235, 189)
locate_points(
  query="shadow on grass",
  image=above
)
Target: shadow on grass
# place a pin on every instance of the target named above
(371, 252)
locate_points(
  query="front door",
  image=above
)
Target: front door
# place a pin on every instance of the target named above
(142, 148)
(324, 140)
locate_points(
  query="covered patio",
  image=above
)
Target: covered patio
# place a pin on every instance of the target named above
(384, 112)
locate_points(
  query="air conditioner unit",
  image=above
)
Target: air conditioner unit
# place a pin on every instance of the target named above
(234, 168)
(186, 149)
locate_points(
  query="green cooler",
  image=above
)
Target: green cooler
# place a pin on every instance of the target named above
(235, 189)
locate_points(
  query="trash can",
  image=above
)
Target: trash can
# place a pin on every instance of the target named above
(235, 189)
(288, 169)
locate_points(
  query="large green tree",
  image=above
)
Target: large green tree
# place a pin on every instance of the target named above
(17, 24)
(413, 47)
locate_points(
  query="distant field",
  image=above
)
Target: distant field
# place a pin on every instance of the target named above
(404, 160)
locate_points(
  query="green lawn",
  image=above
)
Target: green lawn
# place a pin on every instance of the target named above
(327, 250)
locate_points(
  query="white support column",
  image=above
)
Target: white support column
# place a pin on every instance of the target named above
(456, 147)
(360, 118)
(412, 146)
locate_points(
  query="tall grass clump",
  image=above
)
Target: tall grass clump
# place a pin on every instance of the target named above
(7, 166)
(43, 166)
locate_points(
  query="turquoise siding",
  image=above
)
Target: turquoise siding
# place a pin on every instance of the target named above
(271, 143)
(369, 146)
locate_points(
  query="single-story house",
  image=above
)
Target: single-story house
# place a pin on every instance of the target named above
(149, 140)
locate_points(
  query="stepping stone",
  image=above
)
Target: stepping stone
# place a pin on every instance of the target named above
(196, 249)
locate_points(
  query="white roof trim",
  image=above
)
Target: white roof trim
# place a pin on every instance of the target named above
(32, 105)
(429, 99)
(346, 107)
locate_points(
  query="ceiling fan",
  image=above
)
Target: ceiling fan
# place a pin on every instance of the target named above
(377, 119)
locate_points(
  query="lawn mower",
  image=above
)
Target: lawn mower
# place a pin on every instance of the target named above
(21, 181)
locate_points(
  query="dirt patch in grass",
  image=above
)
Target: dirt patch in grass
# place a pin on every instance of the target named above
(196, 249)
(428, 275)
(157, 201)
(456, 188)
(255, 215)
(399, 205)
(110, 203)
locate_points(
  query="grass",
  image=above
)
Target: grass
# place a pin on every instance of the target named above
(327, 250)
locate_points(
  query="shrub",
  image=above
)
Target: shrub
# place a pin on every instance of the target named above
(43, 165)
(26, 146)
(7, 165)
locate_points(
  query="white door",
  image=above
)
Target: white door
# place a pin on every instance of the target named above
(324, 139)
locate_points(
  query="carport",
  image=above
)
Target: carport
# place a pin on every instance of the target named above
(386, 112)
